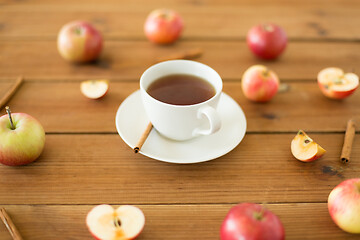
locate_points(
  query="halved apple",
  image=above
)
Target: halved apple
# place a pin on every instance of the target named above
(94, 89)
(336, 84)
(304, 148)
(106, 223)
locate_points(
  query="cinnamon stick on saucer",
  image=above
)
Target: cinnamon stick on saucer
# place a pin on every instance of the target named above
(348, 141)
(190, 54)
(10, 225)
(11, 92)
(143, 138)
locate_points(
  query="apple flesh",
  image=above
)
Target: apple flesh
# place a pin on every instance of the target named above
(94, 89)
(106, 223)
(336, 84)
(21, 145)
(79, 42)
(305, 149)
(259, 83)
(267, 41)
(163, 26)
(344, 205)
(250, 221)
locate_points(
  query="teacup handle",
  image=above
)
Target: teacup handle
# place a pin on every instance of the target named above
(214, 120)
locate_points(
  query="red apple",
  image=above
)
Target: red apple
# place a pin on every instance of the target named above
(344, 205)
(22, 139)
(79, 42)
(336, 84)
(259, 83)
(267, 41)
(94, 89)
(106, 223)
(250, 221)
(163, 26)
(305, 149)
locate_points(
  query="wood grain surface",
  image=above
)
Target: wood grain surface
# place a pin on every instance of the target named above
(167, 222)
(98, 168)
(217, 19)
(85, 162)
(301, 106)
(127, 60)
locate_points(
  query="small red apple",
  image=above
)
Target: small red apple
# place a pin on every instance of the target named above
(94, 89)
(106, 223)
(336, 84)
(259, 83)
(250, 221)
(79, 42)
(344, 205)
(267, 41)
(163, 26)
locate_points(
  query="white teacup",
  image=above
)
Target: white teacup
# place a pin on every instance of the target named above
(182, 122)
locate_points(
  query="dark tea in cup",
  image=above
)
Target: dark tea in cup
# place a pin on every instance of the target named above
(181, 89)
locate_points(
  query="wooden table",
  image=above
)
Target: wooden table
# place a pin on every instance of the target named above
(86, 163)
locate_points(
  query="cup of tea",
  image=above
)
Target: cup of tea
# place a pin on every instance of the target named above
(180, 98)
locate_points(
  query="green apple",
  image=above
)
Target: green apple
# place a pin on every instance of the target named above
(22, 139)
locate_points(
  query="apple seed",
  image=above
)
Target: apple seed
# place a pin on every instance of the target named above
(117, 222)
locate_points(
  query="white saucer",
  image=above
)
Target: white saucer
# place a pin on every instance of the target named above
(131, 120)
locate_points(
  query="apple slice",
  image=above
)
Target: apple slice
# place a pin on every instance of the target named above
(106, 223)
(304, 148)
(336, 84)
(94, 89)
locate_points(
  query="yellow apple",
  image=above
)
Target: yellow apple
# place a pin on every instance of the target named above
(305, 149)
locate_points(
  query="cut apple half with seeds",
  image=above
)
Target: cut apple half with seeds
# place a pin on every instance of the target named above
(305, 149)
(94, 89)
(336, 84)
(106, 223)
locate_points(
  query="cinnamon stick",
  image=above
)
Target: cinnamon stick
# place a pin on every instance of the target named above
(10, 225)
(11, 92)
(143, 138)
(348, 141)
(190, 54)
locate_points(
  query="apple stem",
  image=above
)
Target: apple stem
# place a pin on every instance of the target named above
(11, 121)
(267, 27)
(78, 30)
(266, 72)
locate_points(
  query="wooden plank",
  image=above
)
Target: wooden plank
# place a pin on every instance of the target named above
(203, 19)
(60, 107)
(91, 169)
(127, 60)
(301, 221)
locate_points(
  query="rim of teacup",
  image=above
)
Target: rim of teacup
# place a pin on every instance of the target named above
(218, 89)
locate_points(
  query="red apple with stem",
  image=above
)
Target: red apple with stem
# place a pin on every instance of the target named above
(163, 26)
(79, 42)
(106, 223)
(259, 83)
(22, 139)
(344, 205)
(250, 221)
(267, 41)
